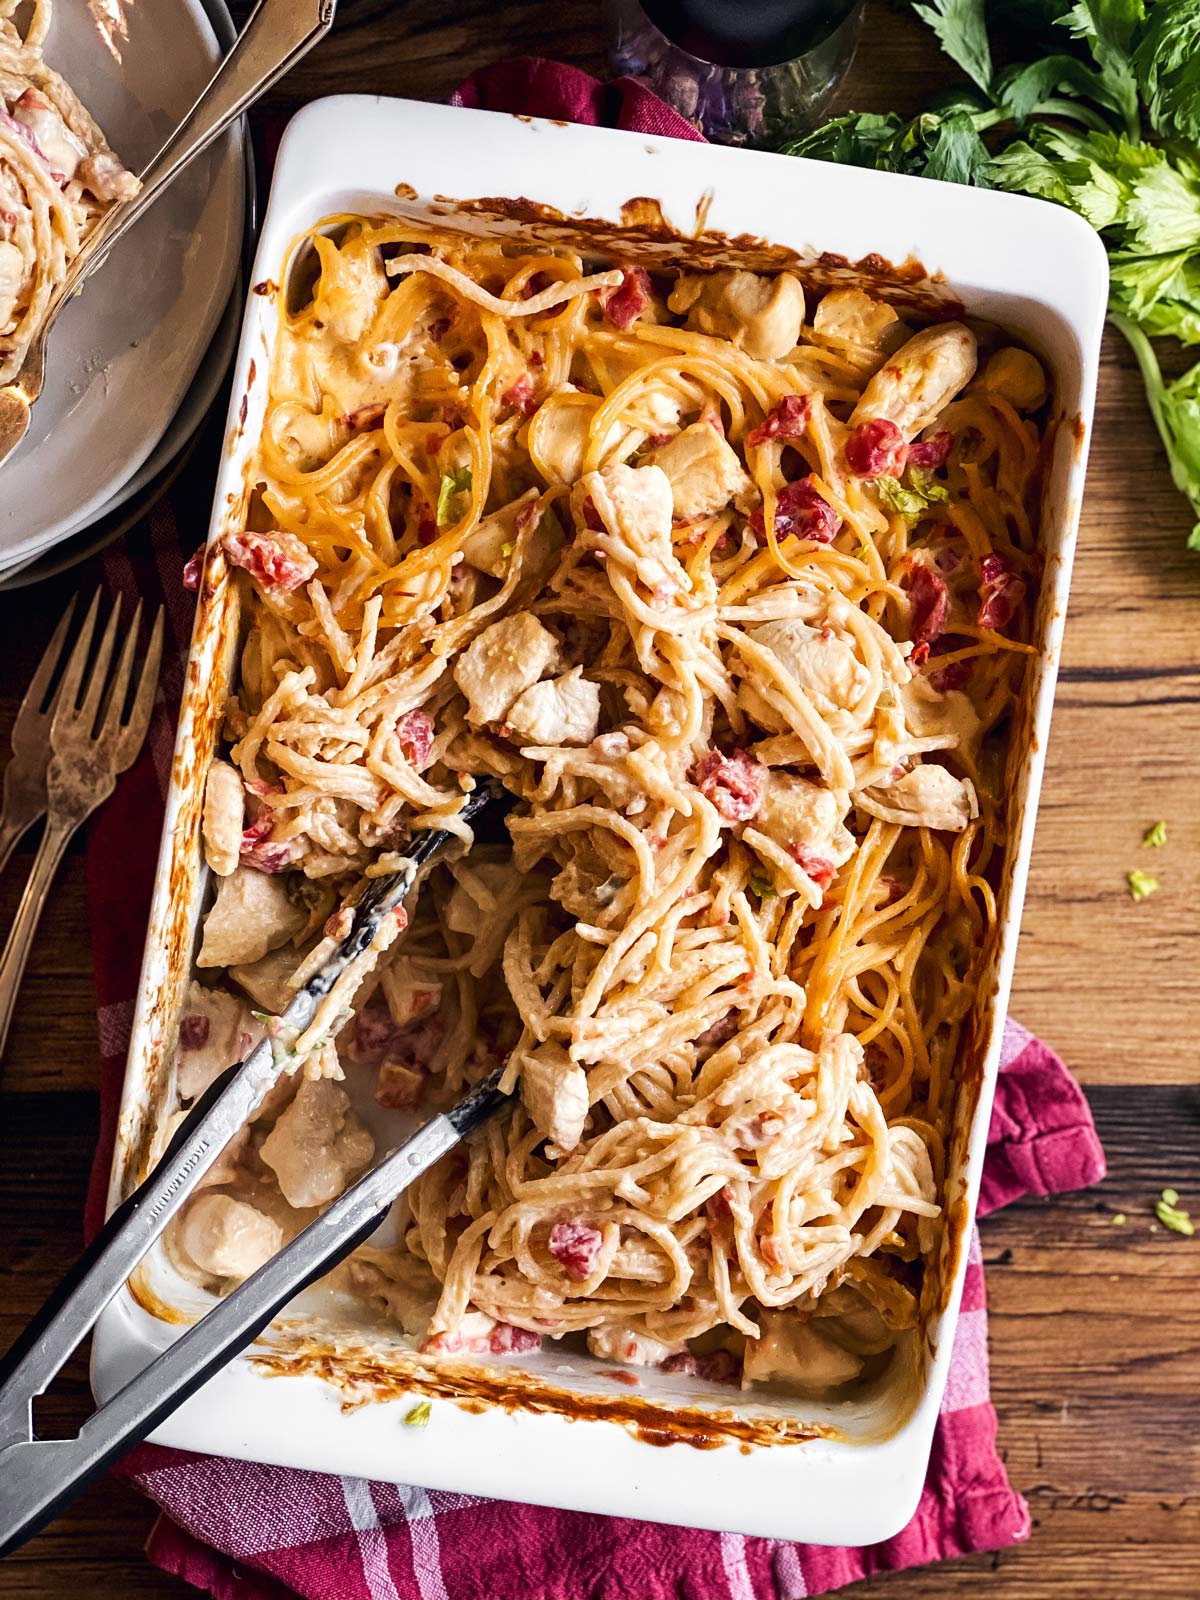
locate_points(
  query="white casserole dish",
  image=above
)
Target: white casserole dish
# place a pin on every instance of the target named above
(560, 1431)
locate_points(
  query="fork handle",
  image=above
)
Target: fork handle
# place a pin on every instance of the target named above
(10, 832)
(20, 938)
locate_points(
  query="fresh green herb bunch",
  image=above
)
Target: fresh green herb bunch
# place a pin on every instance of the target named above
(1107, 122)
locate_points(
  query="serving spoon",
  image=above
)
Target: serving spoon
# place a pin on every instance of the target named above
(278, 33)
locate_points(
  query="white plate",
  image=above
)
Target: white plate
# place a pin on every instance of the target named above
(1034, 268)
(124, 354)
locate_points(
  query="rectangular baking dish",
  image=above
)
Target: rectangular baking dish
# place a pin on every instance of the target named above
(558, 1429)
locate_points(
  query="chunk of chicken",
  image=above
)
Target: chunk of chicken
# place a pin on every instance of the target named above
(704, 470)
(559, 434)
(793, 1352)
(635, 506)
(266, 981)
(224, 817)
(860, 319)
(824, 666)
(555, 1093)
(54, 141)
(913, 386)
(562, 710)
(501, 663)
(614, 1343)
(107, 179)
(251, 915)
(930, 715)
(215, 1030)
(761, 315)
(926, 797)
(351, 288)
(490, 543)
(12, 275)
(795, 812)
(1018, 377)
(318, 1145)
(226, 1238)
(408, 993)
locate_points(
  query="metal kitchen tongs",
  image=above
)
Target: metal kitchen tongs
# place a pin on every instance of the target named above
(39, 1476)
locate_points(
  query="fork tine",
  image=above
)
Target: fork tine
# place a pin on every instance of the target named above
(114, 705)
(132, 735)
(68, 689)
(35, 695)
(98, 678)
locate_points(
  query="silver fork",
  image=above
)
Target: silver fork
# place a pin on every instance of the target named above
(91, 744)
(25, 774)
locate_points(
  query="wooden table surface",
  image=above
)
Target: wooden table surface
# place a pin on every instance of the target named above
(1095, 1327)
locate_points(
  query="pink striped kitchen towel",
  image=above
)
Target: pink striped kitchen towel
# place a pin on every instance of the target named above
(244, 1531)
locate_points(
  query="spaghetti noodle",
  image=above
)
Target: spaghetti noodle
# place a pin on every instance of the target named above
(731, 590)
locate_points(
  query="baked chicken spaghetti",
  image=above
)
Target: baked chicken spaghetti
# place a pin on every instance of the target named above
(730, 587)
(57, 178)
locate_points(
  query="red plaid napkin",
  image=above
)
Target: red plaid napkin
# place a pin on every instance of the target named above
(254, 1532)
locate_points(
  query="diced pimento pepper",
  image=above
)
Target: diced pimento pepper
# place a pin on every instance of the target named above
(400, 1086)
(625, 304)
(575, 1246)
(802, 513)
(193, 570)
(1000, 592)
(505, 1340)
(733, 783)
(876, 449)
(786, 421)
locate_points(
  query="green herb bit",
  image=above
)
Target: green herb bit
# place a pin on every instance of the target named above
(863, 553)
(418, 1416)
(1141, 884)
(1118, 1219)
(1156, 836)
(762, 887)
(1171, 1196)
(506, 550)
(453, 483)
(1172, 1217)
(906, 503)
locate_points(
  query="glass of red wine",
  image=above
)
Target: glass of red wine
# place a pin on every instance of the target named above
(745, 72)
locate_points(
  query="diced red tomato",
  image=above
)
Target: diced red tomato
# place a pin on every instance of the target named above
(506, 1340)
(576, 1247)
(787, 421)
(193, 571)
(734, 783)
(625, 304)
(818, 867)
(929, 454)
(929, 602)
(876, 449)
(414, 730)
(801, 513)
(193, 1033)
(520, 396)
(1000, 592)
(278, 562)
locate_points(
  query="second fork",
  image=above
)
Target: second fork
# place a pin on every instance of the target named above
(91, 744)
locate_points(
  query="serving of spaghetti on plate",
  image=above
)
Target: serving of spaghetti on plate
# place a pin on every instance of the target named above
(730, 586)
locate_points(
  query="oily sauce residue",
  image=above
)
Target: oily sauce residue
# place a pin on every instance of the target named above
(366, 1376)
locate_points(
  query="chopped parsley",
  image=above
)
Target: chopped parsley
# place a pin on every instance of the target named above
(506, 550)
(1141, 884)
(762, 887)
(911, 497)
(418, 1416)
(1168, 1212)
(453, 484)
(1156, 836)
